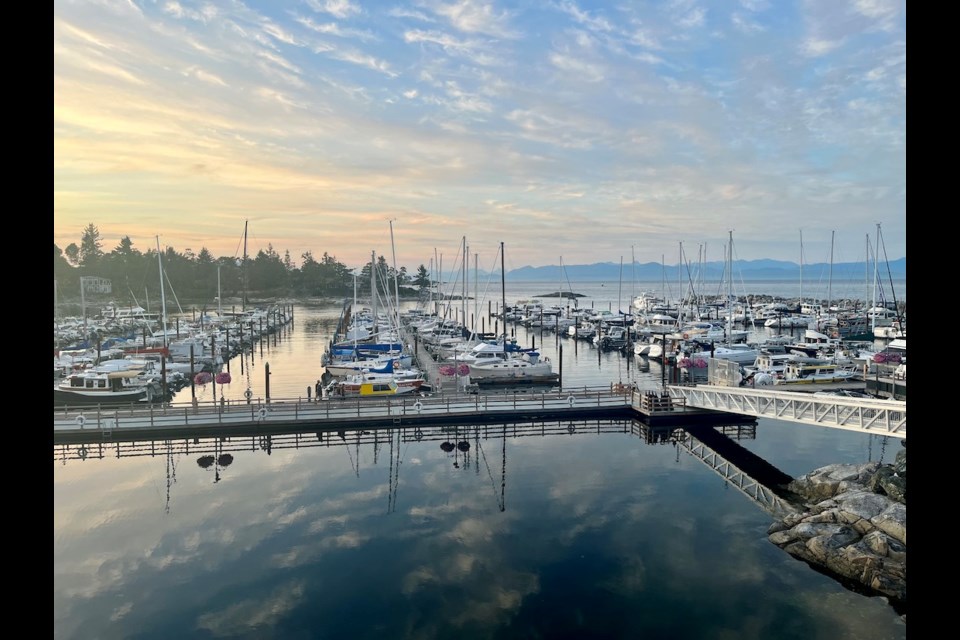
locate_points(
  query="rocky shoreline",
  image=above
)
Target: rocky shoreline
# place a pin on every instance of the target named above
(854, 526)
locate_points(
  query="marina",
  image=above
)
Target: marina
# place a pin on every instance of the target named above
(498, 450)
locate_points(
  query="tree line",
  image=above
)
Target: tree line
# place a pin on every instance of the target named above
(134, 274)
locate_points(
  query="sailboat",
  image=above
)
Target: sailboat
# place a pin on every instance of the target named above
(526, 367)
(371, 340)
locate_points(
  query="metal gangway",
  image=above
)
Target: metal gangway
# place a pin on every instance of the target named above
(759, 493)
(864, 415)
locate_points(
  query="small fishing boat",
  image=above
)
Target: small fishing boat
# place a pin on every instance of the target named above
(369, 388)
(104, 388)
(814, 373)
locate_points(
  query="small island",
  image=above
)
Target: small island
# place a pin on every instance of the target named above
(562, 294)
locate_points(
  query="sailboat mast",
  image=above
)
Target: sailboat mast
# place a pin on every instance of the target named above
(353, 316)
(476, 287)
(373, 288)
(243, 304)
(876, 266)
(620, 290)
(680, 281)
(396, 286)
(503, 295)
(866, 271)
(163, 299)
(830, 281)
(729, 287)
(801, 270)
(439, 282)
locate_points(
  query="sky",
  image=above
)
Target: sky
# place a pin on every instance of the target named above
(573, 132)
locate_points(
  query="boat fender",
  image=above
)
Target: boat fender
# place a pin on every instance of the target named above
(418, 406)
(571, 400)
(81, 420)
(248, 394)
(262, 412)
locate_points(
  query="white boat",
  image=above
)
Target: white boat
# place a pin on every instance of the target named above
(740, 353)
(799, 372)
(528, 366)
(104, 388)
(792, 321)
(641, 348)
(773, 364)
(656, 323)
(501, 347)
(371, 365)
(613, 339)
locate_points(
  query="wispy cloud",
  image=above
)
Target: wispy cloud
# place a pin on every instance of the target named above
(430, 106)
(339, 8)
(475, 16)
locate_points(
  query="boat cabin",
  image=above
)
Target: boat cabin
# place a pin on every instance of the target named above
(798, 372)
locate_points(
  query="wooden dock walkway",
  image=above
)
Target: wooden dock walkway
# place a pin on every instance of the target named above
(286, 416)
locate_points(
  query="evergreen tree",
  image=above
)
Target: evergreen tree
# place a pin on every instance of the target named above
(90, 246)
(422, 279)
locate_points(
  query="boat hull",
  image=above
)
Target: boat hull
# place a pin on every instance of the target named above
(112, 399)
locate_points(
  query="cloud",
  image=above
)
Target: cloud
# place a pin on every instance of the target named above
(585, 19)
(339, 8)
(475, 16)
(744, 24)
(578, 67)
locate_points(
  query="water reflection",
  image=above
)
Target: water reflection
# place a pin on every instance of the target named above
(465, 447)
(531, 529)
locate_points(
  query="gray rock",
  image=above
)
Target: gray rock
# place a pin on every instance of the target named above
(856, 526)
(893, 522)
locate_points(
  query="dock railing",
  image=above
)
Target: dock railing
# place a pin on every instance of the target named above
(295, 410)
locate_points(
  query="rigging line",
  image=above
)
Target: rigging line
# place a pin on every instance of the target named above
(692, 289)
(483, 297)
(889, 275)
(239, 244)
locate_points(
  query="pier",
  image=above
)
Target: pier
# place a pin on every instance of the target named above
(282, 416)
(676, 405)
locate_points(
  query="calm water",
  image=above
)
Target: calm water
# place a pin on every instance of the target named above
(593, 533)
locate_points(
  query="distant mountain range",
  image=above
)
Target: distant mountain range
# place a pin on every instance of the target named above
(710, 271)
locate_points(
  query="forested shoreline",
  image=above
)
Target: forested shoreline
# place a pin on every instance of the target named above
(134, 274)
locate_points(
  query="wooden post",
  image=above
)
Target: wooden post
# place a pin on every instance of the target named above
(266, 368)
(560, 378)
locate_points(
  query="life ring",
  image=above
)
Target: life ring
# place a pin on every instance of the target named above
(571, 428)
(83, 453)
(262, 412)
(686, 336)
(571, 400)
(81, 420)
(418, 435)
(418, 406)
(248, 394)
